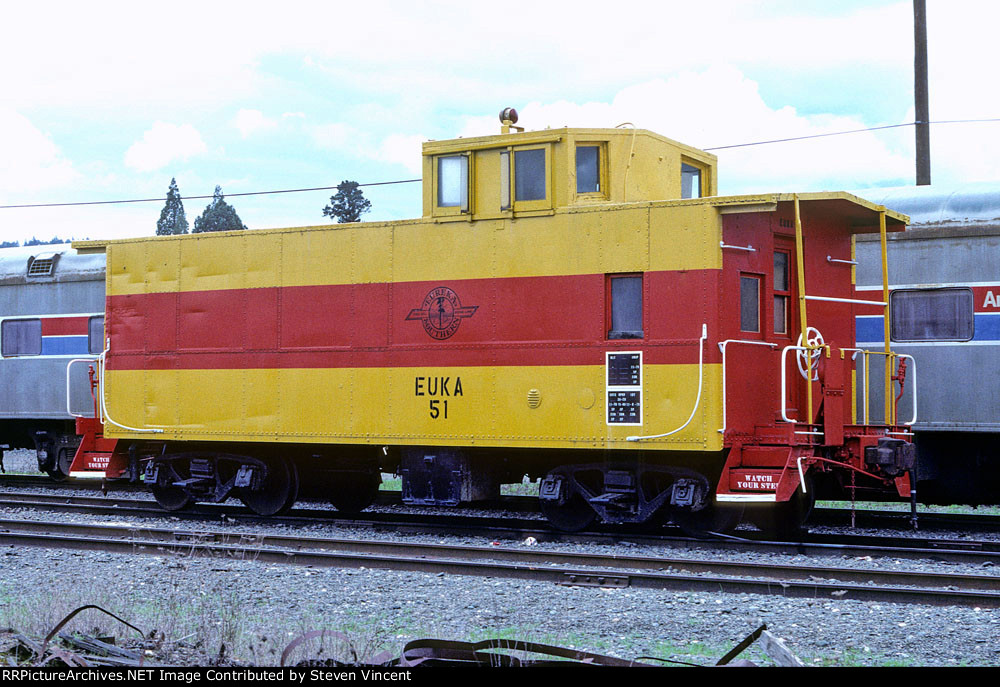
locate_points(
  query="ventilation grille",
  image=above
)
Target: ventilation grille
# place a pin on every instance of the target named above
(41, 266)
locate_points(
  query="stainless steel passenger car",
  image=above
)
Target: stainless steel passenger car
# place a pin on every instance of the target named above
(51, 311)
(944, 304)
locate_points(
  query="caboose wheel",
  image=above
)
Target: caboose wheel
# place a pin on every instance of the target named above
(278, 492)
(352, 492)
(785, 520)
(713, 518)
(573, 515)
(170, 498)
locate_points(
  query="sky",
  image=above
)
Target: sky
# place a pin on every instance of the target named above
(108, 100)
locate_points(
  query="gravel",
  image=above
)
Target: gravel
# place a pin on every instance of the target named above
(255, 609)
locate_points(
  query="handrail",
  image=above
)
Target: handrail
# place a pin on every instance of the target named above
(722, 347)
(69, 410)
(751, 249)
(831, 299)
(830, 258)
(104, 404)
(784, 381)
(697, 400)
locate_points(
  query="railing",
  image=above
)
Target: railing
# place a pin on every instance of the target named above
(865, 353)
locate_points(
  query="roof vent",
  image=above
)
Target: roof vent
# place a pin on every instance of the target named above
(42, 265)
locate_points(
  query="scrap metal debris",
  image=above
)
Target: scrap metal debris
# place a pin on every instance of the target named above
(512, 652)
(76, 650)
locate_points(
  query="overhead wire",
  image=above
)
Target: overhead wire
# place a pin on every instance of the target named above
(413, 181)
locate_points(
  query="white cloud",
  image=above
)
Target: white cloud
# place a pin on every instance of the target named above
(402, 150)
(720, 106)
(162, 144)
(30, 160)
(250, 122)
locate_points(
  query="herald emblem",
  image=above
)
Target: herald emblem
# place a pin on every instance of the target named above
(441, 313)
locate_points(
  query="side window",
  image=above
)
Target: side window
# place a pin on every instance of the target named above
(588, 169)
(453, 182)
(95, 334)
(750, 303)
(781, 292)
(932, 315)
(690, 181)
(529, 174)
(20, 337)
(624, 318)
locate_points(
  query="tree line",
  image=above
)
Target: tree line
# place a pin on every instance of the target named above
(347, 205)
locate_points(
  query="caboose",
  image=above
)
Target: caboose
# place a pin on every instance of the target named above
(574, 305)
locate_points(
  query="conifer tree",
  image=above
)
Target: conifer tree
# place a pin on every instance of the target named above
(172, 218)
(348, 204)
(218, 216)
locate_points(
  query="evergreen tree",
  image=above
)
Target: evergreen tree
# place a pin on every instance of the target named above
(348, 204)
(172, 219)
(218, 216)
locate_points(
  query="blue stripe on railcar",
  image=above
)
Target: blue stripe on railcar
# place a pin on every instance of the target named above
(869, 328)
(65, 345)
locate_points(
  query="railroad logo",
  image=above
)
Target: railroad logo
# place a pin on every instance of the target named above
(441, 313)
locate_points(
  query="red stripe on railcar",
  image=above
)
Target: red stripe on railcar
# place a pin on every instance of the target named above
(65, 326)
(510, 321)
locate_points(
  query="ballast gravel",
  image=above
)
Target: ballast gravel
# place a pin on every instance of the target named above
(256, 608)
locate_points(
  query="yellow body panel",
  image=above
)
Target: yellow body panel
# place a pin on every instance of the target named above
(626, 238)
(382, 406)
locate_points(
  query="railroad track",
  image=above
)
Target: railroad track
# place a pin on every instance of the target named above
(831, 516)
(565, 568)
(964, 551)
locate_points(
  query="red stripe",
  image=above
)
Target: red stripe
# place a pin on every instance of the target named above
(510, 321)
(65, 326)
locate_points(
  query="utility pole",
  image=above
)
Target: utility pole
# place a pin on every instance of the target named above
(923, 127)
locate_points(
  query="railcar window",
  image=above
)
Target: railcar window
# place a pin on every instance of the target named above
(780, 292)
(21, 337)
(690, 181)
(749, 304)
(505, 180)
(529, 174)
(588, 171)
(932, 315)
(95, 332)
(453, 182)
(626, 307)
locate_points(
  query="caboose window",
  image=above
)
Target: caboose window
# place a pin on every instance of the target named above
(932, 315)
(781, 292)
(453, 182)
(21, 337)
(529, 174)
(95, 335)
(749, 303)
(690, 181)
(625, 317)
(588, 171)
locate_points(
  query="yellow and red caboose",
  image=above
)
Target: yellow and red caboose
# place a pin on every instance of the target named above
(576, 305)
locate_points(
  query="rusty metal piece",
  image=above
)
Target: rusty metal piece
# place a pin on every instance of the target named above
(742, 646)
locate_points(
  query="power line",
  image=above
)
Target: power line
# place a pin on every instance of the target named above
(227, 195)
(851, 131)
(413, 181)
